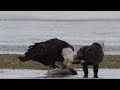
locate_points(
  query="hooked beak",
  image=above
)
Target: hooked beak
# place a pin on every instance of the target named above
(69, 65)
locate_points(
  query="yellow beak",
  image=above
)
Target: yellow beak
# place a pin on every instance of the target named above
(68, 64)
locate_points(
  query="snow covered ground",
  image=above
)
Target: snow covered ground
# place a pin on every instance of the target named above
(41, 74)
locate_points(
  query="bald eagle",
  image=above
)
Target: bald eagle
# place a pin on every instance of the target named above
(50, 51)
(91, 55)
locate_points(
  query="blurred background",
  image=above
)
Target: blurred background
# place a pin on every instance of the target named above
(20, 29)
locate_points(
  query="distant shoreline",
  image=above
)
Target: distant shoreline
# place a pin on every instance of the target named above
(22, 53)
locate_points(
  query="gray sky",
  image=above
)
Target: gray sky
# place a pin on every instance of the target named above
(58, 14)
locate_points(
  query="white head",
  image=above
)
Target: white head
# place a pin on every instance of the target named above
(101, 43)
(68, 54)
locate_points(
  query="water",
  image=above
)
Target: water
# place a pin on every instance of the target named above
(41, 74)
(16, 36)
